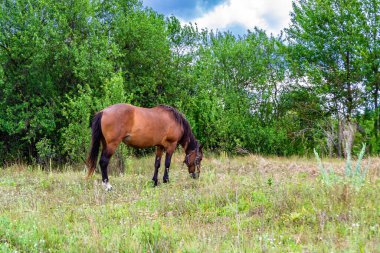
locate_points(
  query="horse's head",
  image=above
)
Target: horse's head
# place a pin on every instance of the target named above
(193, 161)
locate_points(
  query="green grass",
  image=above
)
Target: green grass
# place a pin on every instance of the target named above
(245, 204)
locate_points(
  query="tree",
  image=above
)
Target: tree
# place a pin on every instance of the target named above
(370, 62)
(326, 39)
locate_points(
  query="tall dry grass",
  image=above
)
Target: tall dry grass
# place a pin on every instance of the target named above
(239, 204)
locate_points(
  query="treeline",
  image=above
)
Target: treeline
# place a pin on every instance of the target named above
(315, 86)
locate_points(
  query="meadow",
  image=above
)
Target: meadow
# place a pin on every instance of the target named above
(239, 204)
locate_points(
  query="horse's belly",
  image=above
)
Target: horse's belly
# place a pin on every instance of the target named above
(145, 142)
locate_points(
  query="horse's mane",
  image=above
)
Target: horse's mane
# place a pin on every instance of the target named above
(188, 135)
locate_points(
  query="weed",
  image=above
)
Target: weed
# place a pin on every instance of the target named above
(355, 177)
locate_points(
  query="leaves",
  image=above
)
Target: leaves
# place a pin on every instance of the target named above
(62, 61)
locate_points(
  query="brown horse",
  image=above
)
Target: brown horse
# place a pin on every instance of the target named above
(161, 126)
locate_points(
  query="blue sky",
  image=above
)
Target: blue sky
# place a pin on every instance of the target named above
(234, 15)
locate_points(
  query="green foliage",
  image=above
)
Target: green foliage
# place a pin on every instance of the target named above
(76, 137)
(62, 62)
(113, 92)
(45, 150)
(79, 110)
(329, 42)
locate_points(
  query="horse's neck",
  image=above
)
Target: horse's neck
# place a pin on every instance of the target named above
(190, 145)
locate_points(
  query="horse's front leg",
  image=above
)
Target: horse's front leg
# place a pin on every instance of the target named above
(157, 164)
(168, 158)
(167, 165)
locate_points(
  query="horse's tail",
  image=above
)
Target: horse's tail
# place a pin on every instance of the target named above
(97, 136)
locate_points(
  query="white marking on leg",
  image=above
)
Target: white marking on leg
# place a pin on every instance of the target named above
(107, 186)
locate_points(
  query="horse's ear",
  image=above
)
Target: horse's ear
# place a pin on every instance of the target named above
(201, 146)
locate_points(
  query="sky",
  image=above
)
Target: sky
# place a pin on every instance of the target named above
(236, 16)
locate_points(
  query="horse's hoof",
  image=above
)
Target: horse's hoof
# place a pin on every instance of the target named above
(107, 187)
(155, 183)
(194, 175)
(165, 180)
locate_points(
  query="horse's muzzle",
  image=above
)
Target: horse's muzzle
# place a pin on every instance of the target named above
(195, 175)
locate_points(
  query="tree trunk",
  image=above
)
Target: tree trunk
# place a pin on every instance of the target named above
(349, 130)
(349, 88)
(377, 115)
(339, 143)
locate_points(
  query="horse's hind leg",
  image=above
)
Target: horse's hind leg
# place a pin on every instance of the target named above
(104, 161)
(157, 164)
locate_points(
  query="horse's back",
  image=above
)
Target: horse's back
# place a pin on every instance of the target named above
(139, 126)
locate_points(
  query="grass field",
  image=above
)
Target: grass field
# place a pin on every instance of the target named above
(244, 204)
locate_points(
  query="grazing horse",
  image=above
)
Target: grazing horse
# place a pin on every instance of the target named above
(161, 126)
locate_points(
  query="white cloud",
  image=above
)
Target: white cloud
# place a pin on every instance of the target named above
(270, 15)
